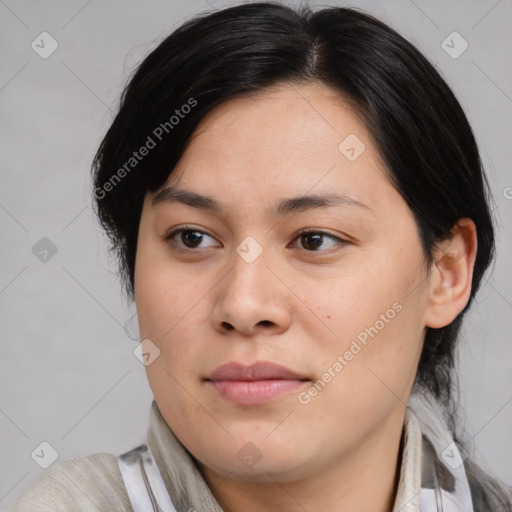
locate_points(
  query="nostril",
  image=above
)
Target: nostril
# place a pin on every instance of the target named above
(227, 326)
(265, 322)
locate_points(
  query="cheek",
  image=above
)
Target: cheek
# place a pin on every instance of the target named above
(352, 298)
(164, 297)
(171, 309)
(374, 317)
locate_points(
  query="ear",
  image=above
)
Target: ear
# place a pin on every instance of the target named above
(451, 275)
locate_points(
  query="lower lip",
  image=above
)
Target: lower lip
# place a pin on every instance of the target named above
(255, 392)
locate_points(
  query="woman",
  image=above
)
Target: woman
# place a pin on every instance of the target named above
(299, 210)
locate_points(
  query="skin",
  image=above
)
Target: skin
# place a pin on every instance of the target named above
(298, 304)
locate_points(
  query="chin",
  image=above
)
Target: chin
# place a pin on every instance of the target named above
(259, 460)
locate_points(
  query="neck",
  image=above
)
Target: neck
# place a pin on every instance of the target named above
(366, 479)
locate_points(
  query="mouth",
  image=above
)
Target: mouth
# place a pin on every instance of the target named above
(258, 383)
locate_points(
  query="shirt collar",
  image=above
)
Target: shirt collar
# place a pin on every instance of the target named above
(409, 484)
(185, 483)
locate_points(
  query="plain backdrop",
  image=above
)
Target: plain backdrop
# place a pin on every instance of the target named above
(68, 376)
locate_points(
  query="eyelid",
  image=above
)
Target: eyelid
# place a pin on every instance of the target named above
(340, 241)
(169, 234)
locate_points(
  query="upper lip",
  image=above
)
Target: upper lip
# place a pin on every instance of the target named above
(260, 370)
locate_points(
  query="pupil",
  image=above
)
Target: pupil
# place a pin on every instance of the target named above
(316, 243)
(191, 237)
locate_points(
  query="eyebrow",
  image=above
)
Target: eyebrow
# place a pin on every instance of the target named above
(285, 207)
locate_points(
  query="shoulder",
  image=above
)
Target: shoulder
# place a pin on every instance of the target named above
(86, 484)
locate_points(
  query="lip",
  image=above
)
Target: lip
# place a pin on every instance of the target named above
(260, 370)
(258, 383)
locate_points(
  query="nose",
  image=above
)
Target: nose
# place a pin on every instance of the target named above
(252, 299)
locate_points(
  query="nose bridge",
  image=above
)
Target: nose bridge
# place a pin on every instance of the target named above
(251, 295)
(249, 250)
(250, 268)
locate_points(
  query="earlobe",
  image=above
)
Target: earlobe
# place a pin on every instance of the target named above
(451, 275)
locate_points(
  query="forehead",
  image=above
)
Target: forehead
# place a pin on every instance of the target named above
(287, 140)
(284, 122)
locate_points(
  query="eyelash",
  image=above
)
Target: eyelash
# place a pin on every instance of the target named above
(169, 238)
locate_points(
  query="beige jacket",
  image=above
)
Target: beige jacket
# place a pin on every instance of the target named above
(94, 483)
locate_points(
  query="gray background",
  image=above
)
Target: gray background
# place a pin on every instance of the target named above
(67, 372)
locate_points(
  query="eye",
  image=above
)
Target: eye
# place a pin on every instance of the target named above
(188, 238)
(314, 240)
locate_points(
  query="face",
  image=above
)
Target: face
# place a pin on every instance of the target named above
(289, 327)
